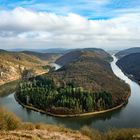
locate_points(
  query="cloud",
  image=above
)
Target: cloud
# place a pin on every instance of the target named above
(92, 9)
(24, 28)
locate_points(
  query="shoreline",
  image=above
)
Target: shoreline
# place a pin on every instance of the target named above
(74, 115)
(9, 82)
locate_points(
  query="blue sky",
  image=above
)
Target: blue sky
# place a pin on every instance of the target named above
(107, 24)
(92, 9)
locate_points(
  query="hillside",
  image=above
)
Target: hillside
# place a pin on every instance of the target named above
(43, 56)
(11, 128)
(75, 54)
(91, 71)
(57, 50)
(127, 52)
(86, 84)
(41, 134)
(12, 65)
(130, 64)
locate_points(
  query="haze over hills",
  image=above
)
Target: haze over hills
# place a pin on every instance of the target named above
(57, 50)
(49, 50)
(123, 53)
(130, 64)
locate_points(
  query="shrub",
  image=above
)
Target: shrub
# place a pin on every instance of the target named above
(121, 134)
(8, 121)
(91, 133)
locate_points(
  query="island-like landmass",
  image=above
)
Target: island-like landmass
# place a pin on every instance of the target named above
(85, 84)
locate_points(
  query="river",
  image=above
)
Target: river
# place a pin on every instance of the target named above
(56, 66)
(126, 117)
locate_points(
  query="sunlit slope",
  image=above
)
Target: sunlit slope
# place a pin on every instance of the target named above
(13, 63)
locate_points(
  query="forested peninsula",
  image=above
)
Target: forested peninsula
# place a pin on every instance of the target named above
(83, 85)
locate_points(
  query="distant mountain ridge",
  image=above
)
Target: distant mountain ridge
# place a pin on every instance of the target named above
(123, 53)
(57, 50)
(42, 56)
(2, 51)
(75, 54)
(49, 50)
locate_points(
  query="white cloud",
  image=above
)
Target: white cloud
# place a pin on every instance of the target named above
(27, 29)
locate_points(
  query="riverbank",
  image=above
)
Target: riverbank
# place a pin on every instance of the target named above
(12, 85)
(19, 78)
(73, 115)
(7, 88)
(8, 82)
(129, 76)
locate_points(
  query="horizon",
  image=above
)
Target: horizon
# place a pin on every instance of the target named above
(35, 24)
(54, 49)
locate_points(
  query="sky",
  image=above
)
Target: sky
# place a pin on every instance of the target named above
(43, 24)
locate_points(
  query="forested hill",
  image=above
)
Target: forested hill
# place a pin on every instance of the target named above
(86, 84)
(127, 52)
(75, 54)
(130, 64)
(92, 72)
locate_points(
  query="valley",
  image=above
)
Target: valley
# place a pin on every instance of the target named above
(100, 121)
(85, 85)
(118, 118)
(69, 70)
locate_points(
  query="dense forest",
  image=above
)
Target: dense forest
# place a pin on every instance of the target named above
(44, 94)
(83, 85)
